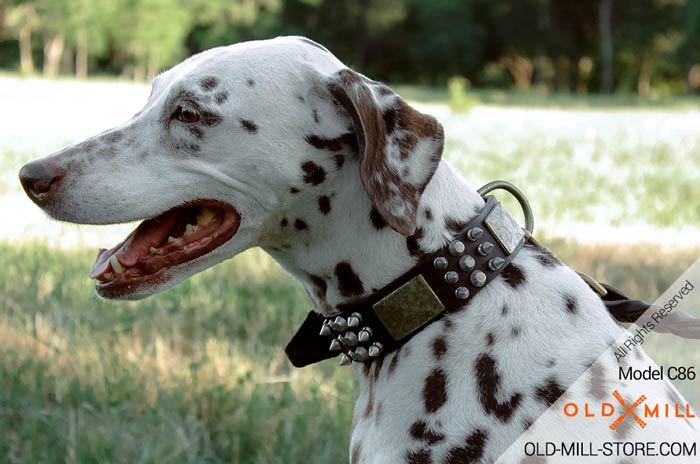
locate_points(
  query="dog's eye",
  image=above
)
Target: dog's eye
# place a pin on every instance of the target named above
(187, 115)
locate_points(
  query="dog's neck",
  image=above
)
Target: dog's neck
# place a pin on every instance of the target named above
(331, 239)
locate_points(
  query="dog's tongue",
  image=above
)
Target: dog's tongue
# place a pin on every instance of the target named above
(150, 233)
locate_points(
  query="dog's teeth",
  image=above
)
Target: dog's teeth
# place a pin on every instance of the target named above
(153, 250)
(108, 277)
(190, 229)
(205, 216)
(174, 241)
(116, 265)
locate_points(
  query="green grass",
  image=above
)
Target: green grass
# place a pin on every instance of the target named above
(576, 180)
(196, 374)
(538, 99)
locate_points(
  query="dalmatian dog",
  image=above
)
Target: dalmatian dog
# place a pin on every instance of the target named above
(278, 144)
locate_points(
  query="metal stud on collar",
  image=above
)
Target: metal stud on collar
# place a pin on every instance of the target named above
(339, 324)
(467, 263)
(335, 345)
(365, 334)
(474, 233)
(485, 248)
(326, 329)
(456, 248)
(350, 338)
(451, 277)
(360, 354)
(354, 320)
(495, 264)
(462, 293)
(478, 279)
(440, 263)
(375, 349)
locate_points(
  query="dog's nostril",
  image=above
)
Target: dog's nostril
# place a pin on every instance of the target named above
(36, 179)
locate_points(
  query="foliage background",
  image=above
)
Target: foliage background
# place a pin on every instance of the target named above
(645, 46)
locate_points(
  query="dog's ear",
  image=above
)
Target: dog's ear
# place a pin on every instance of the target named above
(399, 147)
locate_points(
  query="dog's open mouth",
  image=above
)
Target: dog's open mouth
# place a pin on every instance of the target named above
(178, 235)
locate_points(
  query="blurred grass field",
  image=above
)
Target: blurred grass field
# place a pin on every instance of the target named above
(198, 373)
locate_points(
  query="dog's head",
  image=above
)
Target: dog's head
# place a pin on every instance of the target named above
(225, 141)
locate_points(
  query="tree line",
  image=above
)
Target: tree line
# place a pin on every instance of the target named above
(553, 45)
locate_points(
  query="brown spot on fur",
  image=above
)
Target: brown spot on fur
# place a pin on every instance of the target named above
(334, 144)
(513, 275)
(419, 457)
(250, 82)
(378, 367)
(370, 399)
(546, 258)
(339, 161)
(412, 243)
(472, 451)
(313, 173)
(300, 225)
(597, 383)
(550, 392)
(489, 339)
(184, 145)
(196, 131)
(356, 455)
(284, 222)
(320, 285)
(324, 204)
(439, 347)
(349, 282)
(420, 431)
(489, 380)
(377, 220)
(504, 310)
(515, 331)
(250, 126)
(221, 97)
(428, 214)
(455, 225)
(435, 391)
(571, 306)
(315, 115)
(394, 361)
(113, 137)
(294, 190)
(209, 83)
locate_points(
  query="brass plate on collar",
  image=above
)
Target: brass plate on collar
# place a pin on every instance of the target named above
(502, 225)
(408, 308)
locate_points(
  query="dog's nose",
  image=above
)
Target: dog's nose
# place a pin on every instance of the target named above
(37, 178)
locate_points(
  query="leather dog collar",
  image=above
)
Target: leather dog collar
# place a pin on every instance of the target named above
(440, 283)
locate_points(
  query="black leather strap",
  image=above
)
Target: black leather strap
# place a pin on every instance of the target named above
(491, 239)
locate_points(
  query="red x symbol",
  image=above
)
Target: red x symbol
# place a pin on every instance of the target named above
(628, 411)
